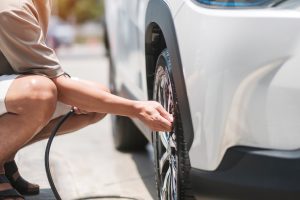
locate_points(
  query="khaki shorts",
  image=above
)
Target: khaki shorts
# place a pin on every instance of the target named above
(6, 81)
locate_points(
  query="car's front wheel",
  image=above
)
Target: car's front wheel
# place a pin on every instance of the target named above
(172, 163)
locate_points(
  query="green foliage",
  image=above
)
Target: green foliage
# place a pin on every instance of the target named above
(83, 10)
(64, 8)
(88, 9)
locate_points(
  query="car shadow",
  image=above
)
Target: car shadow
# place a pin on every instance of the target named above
(145, 167)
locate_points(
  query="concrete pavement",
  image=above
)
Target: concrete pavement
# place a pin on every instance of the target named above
(85, 163)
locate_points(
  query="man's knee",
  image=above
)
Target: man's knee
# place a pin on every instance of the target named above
(42, 89)
(42, 93)
(33, 94)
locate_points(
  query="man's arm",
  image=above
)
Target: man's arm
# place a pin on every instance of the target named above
(94, 99)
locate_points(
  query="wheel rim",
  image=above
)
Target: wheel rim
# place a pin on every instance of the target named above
(167, 157)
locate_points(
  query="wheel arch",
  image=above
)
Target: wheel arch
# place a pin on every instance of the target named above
(160, 33)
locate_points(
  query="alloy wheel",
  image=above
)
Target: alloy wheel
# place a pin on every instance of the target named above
(165, 142)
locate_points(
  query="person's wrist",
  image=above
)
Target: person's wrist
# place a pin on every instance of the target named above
(136, 109)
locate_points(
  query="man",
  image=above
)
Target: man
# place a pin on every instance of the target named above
(35, 91)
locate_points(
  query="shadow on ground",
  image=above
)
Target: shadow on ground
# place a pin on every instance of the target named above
(45, 194)
(145, 168)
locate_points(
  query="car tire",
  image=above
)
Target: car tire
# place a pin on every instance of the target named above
(126, 136)
(172, 164)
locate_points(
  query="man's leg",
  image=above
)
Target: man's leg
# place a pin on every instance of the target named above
(75, 122)
(30, 102)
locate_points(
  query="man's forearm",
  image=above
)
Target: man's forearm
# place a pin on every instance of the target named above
(92, 99)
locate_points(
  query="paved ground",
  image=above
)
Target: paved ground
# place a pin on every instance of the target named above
(85, 163)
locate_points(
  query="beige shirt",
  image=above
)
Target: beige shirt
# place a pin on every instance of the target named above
(23, 28)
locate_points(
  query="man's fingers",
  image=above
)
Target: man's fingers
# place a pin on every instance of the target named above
(165, 124)
(165, 114)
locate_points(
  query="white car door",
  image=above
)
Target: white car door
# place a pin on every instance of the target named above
(127, 48)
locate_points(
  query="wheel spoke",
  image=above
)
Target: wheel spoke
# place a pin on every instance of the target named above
(172, 142)
(163, 161)
(164, 139)
(170, 100)
(160, 94)
(166, 185)
(173, 177)
(167, 96)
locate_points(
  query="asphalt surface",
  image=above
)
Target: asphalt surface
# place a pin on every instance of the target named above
(85, 163)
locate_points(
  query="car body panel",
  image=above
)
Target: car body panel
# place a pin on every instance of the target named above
(241, 70)
(242, 79)
(126, 46)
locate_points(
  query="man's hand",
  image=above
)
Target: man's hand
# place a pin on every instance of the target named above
(154, 115)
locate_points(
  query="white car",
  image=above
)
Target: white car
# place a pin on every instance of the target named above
(229, 71)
